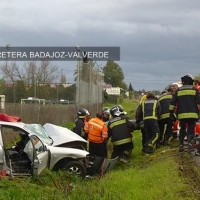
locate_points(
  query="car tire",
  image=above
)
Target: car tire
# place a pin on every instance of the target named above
(75, 168)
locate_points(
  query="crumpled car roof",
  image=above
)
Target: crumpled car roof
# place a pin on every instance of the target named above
(62, 135)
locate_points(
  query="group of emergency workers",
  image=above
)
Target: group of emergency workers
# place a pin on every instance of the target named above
(178, 104)
(158, 115)
(110, 123)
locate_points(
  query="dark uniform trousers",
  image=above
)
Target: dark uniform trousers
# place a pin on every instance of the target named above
(97, 149)
(151, 131)
(123, 149)
(143, 137)
(166, 130)
(189, 125)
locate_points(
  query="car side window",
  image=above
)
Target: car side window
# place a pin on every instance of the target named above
(10, 136)
(39, 147)
(16, 143)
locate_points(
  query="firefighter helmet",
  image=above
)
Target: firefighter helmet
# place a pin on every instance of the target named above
(121, 109)
(187, 79)
(106, 110)
(81, 113)
(114, 111)
(87, 112)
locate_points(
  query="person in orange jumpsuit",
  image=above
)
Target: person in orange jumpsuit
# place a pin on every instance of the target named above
(97, 134)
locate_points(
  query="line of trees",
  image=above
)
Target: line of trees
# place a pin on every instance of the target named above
(44, 80)
(34, 80)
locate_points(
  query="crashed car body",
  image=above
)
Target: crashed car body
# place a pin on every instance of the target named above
(56, 151)
(63, 137)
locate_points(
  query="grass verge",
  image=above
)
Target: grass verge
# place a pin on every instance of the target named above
(164, 175)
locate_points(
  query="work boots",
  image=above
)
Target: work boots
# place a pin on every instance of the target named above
(181, 149)
(148, 150)
(124, 159)
(181, 141)
(190, 145)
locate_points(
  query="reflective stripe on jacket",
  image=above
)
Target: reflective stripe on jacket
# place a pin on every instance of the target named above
(164, 101)
(119, 129)
(97, 130)
(150, 109)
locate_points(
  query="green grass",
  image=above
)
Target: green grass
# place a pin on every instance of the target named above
(164, 175)
(135, 183)
(149, 177)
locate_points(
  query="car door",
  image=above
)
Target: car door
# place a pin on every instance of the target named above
(2, 154)
(40, 155)
(1, 157)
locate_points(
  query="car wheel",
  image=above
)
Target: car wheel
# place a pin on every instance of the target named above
(75, 168)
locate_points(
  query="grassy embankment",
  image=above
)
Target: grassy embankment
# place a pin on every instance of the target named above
(163, 175)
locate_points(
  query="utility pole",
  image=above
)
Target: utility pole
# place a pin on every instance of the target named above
(14, 91)
(78, 77)
(35, 85)
(57, 93)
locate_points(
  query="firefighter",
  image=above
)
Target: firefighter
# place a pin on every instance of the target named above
(149, 112)
(86, 121)
(119, 129)
(79, 122)
(165, 123)
(187, 100)
(175, 87)
(97, 134)
(121, 109)
(138, 120)
(197, 84)
(143, 97)
(106, 118)
(106, 115)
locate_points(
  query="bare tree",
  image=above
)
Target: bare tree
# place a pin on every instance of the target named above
(47, 72)
(30, 73)
(9, 71)
(31, 70)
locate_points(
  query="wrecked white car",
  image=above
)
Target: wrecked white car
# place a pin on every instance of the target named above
(63, 137)
(28, 149)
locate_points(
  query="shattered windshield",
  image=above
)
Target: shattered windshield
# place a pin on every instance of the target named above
(40, 132)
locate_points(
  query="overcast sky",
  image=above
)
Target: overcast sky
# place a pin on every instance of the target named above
(159, 40)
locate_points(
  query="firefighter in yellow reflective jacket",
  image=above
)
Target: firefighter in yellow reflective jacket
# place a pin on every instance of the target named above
(79, 122)
(149, 112)
(165, 123)
(106, 118)
(119, 129)
(97, 134)
(137, 117)
(187, 100)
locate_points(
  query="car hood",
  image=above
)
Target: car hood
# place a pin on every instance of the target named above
(62, 135)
